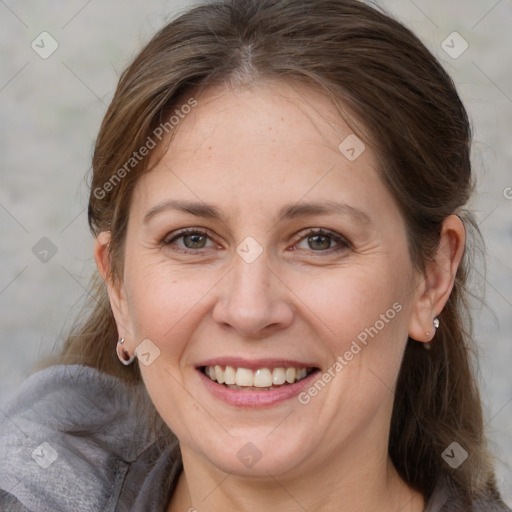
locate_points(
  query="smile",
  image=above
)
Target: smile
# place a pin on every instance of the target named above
(261, 379)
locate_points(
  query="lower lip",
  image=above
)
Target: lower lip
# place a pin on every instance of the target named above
(241, 398)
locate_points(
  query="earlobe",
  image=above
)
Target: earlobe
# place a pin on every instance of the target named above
(437, 282)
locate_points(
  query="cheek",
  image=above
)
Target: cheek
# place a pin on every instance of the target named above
(361, 314)
(345, 301)
(163, 300)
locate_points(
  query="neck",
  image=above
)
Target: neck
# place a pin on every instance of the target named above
(338, 485)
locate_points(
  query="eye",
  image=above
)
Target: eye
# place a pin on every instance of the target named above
(321, 240)
(192, 239)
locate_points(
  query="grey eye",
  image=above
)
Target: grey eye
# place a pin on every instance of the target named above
(316, 242)
(194, 241)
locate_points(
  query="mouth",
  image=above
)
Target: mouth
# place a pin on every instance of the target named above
(259, 379)
(246, 382)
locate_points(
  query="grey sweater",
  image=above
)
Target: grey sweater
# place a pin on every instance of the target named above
(71, 441)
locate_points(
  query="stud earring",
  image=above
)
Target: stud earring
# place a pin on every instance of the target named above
(435, 323)
(123, 354)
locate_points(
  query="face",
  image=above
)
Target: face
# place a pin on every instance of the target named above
(256, 246)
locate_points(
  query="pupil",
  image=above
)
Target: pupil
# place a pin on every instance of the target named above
(194, 241)
(320, 241)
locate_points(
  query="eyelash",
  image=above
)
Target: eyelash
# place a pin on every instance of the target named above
(343, 243)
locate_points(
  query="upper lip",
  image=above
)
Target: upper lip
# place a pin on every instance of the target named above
(255, 364)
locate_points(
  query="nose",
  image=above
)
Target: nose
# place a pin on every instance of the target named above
(253, 300)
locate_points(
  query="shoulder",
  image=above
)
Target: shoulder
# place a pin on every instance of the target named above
(482, 504)
(446, 498)
(68, 440)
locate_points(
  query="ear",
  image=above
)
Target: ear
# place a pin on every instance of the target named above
(435, 285)
(115, 287)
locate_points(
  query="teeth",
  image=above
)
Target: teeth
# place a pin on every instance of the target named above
(219, 375)
(230, 375)
(244, 377)
(290, 375)
(278, 376)
(301, 373)
(261, 378)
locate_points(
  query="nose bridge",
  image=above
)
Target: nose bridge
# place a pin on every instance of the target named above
(253, 299)
(251, 281)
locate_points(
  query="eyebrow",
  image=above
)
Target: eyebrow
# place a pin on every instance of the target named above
(287, 212)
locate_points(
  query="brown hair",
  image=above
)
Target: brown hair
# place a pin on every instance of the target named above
(412, 118)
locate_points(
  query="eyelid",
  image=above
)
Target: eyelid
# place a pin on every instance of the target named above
(342, 241)
(180, 233)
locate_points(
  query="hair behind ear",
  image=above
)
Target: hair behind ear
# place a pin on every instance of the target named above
(437, 403)
(93, 339)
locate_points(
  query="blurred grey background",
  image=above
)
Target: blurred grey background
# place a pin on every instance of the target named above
(51, 106)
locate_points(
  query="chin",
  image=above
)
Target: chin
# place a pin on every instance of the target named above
(258, 457)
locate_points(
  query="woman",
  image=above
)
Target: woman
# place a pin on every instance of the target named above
(282, 262)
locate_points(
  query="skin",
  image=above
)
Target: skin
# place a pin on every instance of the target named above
(249, 152)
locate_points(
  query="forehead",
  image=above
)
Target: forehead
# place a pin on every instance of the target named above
(271, 142)
(274, 117)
